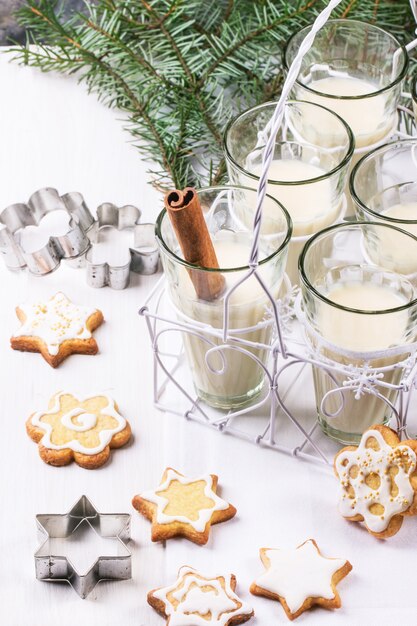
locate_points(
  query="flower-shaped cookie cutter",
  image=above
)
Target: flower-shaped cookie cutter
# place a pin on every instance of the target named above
(70, 245)
(51, 567)
(144, 255)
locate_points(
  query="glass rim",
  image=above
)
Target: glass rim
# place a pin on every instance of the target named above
(372, 94)
(290, 183)
(414, 87)
(178, 259)
(369, 155)
(322, 297)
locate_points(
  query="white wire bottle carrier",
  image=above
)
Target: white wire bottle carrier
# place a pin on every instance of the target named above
(284, 417)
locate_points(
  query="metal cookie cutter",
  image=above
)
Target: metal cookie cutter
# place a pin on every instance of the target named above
(71, 245)
(51, 567)
(143, 257)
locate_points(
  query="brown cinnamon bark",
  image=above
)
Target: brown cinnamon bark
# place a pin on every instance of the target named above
(187, 219)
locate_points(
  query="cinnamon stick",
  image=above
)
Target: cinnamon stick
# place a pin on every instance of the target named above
(187, 219)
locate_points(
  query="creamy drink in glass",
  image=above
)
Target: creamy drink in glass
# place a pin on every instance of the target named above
(308, 171)
(228, 374)
(359, 313)
(308, 216)
(355, 69)
(384, 189)
(356, 102)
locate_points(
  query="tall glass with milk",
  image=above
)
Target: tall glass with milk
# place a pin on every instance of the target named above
(384, 189)
(360, 311)
(309, 168)
(355, 69)
(230, 373)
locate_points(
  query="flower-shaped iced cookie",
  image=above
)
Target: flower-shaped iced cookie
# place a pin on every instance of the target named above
(56, 328)
(378, 481)
(198, 600)
(300, 578)
(79, 430)
(183, 506)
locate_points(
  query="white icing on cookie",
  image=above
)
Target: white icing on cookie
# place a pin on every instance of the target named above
(85, 422)
(194, 601)
(368, 461)
(55, 321)
(296, 575)
(204, 514)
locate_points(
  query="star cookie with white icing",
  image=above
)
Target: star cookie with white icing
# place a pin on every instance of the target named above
(300, 578)
(198, 600)
(378, 481)
(78, 430)
(56, 328)
(183, 506)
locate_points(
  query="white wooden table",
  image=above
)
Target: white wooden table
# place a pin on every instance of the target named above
(53, 134)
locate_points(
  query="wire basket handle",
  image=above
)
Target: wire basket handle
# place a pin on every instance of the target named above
(276, 122)
(273, 127)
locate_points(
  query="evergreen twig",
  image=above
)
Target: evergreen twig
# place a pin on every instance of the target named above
(180, 69)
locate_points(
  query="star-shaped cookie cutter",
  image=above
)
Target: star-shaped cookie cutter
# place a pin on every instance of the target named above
(50, 567)
(144, 255)
(70, 246)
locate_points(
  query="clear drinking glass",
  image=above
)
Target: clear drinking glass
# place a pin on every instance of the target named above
(309, 169)
(228, 375)
(414, 94)
(355, 69)
(383, 187)
(359, 312)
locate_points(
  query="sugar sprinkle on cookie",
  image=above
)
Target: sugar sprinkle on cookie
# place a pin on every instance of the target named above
(56, 328)
(378, 481)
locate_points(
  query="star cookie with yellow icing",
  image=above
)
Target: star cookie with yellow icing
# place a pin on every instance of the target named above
(198, 600)
(56, 328)
(183, 506)
(78, 430)
(300, 578)
(378, 481)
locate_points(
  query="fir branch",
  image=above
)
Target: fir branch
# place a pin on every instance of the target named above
(180, 69)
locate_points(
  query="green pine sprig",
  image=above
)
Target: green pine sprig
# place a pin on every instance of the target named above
(180, 69)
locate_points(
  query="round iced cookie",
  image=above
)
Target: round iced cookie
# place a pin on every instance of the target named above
(378, 481)
(83, 431)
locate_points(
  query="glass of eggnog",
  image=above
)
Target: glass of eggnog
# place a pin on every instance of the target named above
(383, 186)
(308, 171)
(359, 313)
(228, 373)
(355, 69)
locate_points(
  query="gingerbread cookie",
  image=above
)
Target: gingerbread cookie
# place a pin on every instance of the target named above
(198, 600)
(78, 430)
(56, 328)
(378, 481)
(184, 507)
(300, 578)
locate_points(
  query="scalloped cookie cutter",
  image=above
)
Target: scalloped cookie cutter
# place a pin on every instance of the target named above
(144, 254)
(70, 245)
(51, 567)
